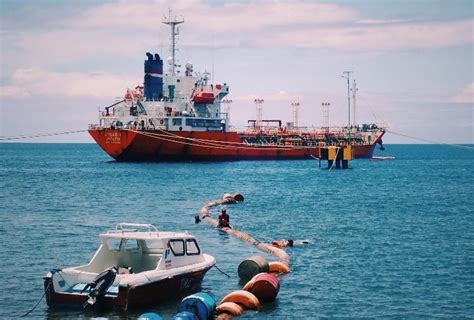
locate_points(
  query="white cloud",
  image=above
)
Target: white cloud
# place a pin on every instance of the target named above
(280, 96)
(218, 18)
(36, 82)
(378, 36)
(128, 29)
(379, 21)
(277, 23)
(14, 91)
(467, 95)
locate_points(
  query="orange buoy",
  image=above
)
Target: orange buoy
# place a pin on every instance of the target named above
(230, 308)
(245, 298)
(278, 267)
(264, 286)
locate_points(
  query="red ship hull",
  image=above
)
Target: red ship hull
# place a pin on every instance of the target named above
(156, 145)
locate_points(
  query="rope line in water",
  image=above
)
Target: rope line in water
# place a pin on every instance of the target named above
(215, 266)
(37, 303)
(215, 144)
(430, 141)
(39, 135)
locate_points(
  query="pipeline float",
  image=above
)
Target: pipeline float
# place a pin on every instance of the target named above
(262, 276)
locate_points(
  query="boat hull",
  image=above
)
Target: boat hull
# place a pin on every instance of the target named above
(157, 145)
(148, 294)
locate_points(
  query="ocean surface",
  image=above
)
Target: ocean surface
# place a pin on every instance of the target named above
(390, 239)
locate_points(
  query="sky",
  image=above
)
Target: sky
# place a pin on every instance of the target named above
(413, 60)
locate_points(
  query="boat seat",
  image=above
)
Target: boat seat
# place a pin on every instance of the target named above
(137, 261)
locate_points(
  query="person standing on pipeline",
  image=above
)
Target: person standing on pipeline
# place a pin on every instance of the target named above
(223, 219)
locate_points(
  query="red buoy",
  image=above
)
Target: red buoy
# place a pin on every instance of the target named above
(264, 286)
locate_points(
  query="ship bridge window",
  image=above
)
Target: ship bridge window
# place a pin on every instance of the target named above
(192, 247)
(177, 121)
(204, 123)
(177, 246)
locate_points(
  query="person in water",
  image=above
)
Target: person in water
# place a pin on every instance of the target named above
(223, 219)
(289, 243)
(282, 243)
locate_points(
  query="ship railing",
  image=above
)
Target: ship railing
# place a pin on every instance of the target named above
(134, 227)
(94, 126)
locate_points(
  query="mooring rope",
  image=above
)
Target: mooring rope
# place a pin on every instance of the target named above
(37, 303)
(277, 252)
(431, 141)
(39, 135)
(215, 266)
(215, 144)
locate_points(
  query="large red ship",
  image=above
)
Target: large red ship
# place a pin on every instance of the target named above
(178, 117)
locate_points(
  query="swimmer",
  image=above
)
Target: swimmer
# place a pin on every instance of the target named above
(289, 243)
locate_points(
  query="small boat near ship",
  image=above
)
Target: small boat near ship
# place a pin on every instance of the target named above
(135, 266)
(178, 116)
(383, 158)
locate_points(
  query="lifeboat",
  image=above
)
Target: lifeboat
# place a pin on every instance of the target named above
(204, 97)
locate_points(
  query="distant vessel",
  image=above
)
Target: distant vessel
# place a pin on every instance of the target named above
(178, 117)
(384, 158)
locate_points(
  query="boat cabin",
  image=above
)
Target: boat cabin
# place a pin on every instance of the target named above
(144, 259)
(133, 250)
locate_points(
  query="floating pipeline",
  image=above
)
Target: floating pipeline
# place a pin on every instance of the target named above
(200, 304)
(231, 199)
(278, 267)
(242, 297)
(252, 266)
(263, 286)
(150, 316)
(229, 308)
(184, 315)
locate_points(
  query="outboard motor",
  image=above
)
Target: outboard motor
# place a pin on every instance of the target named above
(100, 285)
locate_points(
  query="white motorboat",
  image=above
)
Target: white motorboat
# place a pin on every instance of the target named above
(135, 266)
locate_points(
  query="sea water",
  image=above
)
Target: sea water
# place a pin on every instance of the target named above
(388, 238)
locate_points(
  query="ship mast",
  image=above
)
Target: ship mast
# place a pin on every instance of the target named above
(325, 106)
(227, 103)
(295, 106)
(258, 106)
(346, 75)
(354, 92)
(173, 22)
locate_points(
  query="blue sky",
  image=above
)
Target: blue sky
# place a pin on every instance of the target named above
(413, 60)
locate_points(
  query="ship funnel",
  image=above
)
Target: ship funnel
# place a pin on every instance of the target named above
(153, 77)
